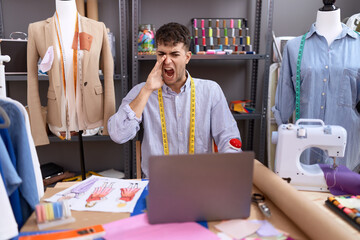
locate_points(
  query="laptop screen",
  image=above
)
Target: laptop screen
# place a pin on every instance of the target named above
(200, 187)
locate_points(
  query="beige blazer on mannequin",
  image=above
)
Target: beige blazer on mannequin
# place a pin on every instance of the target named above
(98, 101)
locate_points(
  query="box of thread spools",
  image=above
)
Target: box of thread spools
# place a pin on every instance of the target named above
(221, 36)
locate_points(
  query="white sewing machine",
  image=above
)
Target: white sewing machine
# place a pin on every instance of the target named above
(292, 140)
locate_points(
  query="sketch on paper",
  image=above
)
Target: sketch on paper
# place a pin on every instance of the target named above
(102, 194)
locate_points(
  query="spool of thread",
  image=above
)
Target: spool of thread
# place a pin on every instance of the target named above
(241, 40)
(236, 48)
(233, 41)
(196, 40)
(240, 32)
(226, 40)
(196, 32)
(233, 32)
(202, 23)
(217, 32)
(210, 23)
(224, 23)
(211, 41)
(239, 23)
(225, 32)
(195, 23)
(205, 48)
(217, 23)
(204, 41)
(231, 23)
(197, 49)
(210, 32)
(246, 31)
(203, 32)
(247, 40)
(218, 41)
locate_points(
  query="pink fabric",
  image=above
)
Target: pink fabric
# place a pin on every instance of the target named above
(138, 228)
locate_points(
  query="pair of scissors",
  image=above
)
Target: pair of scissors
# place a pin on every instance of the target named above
(259, 199)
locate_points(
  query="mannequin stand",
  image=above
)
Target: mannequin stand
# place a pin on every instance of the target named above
(82, 161)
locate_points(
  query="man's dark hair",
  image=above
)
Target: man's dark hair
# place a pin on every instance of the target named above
(173, 33)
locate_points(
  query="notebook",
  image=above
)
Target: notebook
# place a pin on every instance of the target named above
(200, 187)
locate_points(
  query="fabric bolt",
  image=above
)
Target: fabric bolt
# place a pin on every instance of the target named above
(8, 226)
(341, 180)
(24, 165)
(330, 86)
(34, 156)
(213, 120)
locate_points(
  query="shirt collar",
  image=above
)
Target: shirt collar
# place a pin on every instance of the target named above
(345, 31)
(167, 89)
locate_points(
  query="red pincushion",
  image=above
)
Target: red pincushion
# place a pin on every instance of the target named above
(235, 143)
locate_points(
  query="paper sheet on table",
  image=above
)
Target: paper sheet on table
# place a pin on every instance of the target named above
(238, 228)
(266, 229)
(138, 228)
(102, 194)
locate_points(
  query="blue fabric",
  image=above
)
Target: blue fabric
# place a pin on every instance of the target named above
(8, 172)
(14, 198)
(330, 86)
(24, 166)
(213, 120)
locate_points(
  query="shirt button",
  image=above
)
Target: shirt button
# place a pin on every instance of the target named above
(325, 80)
(180, 133)
(326, 66)
(322, 107)
(179, 115)
(323, 94)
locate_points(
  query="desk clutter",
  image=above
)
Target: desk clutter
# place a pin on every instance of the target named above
(348, 207)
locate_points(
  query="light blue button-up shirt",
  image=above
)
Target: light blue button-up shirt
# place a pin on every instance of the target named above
(330, 85)
(213, 120)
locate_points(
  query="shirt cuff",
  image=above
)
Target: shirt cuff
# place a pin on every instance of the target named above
(131, 114)
(277, 116)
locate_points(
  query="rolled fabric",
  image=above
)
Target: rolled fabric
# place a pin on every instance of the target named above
(80, 5)
(311, 219)
(92, 9)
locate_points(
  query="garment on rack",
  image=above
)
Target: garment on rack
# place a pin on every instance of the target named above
(34, 156)
(330, 86)
(97, 103)
(24, 166)
(8, 226)
(15, 195)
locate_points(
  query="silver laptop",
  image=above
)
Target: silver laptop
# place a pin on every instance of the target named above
(200, 187)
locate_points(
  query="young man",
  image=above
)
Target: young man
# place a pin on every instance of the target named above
(164, 103)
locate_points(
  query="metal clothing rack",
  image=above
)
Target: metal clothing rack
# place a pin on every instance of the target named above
(260, 115)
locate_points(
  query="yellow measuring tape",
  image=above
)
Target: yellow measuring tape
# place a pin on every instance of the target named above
(192, 120)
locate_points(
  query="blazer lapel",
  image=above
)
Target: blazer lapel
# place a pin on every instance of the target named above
(85, 27)
(51, 40)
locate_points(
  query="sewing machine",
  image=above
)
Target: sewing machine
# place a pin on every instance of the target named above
(293, 139)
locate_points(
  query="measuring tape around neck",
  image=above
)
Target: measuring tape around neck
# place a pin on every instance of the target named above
(298, 75)
(192, 120)
(62, 50)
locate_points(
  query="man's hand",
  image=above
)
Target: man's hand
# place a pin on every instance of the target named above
(155, 80)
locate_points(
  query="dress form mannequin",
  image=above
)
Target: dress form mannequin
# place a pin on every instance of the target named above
(66, 10)
(328, 22)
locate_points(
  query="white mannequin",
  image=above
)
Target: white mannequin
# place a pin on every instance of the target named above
(328, 24)
(66, 10)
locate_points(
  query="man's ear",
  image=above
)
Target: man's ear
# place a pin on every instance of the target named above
(188, 56)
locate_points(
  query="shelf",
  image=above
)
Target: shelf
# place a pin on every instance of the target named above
(246, 116)
(23, 77)
(211, 57)
(94, 138)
